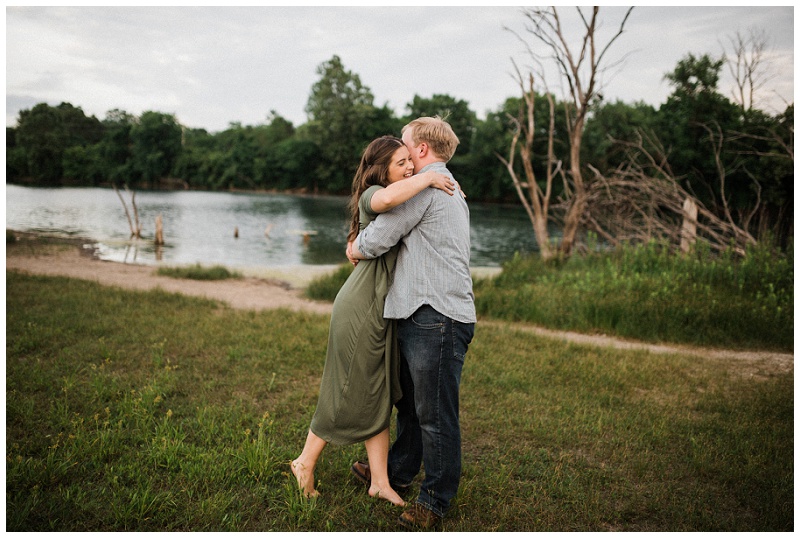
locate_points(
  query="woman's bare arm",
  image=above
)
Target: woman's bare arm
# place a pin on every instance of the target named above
(400, 191)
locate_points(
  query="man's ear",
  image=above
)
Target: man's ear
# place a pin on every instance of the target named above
(423, 149)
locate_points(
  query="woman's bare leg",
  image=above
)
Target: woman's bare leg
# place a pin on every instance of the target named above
(378, 455)
(303, 466)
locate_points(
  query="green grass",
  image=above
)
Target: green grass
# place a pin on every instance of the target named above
(648, 294)
(198, 272)
(148, 411)
(325, 288)
(643, 293)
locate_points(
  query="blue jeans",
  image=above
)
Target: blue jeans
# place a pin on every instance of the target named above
(432, 350)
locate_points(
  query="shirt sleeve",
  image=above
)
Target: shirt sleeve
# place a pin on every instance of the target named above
(365, 202)
(390, 227)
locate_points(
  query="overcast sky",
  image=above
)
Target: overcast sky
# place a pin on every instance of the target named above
(211, 66)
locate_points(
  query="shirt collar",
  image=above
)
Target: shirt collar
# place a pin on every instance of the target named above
(438, 165)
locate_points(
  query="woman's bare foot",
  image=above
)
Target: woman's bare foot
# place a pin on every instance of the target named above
(305, 480)
(386, 493)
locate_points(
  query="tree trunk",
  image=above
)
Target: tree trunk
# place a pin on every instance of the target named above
(581, 69)
(159, 231)
(136, 231)
(689, 228)
(535, 201)
(577, 207)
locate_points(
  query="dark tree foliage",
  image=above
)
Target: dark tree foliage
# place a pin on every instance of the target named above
(190, 166)
(727, 157)
(116, 147)
(156, 141)
(754, 151)
(342, 121)
(455, 111)
(610, 124)
(694, 104)
(43, 135)
(481, 177)
(16, 158)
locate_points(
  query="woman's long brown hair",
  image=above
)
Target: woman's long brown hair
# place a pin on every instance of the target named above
(372, 170)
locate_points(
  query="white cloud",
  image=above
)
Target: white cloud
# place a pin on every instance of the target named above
(213, 66)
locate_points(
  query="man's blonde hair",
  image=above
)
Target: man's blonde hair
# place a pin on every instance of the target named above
(435, 132)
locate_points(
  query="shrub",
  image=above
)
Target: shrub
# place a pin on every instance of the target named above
(198, 272)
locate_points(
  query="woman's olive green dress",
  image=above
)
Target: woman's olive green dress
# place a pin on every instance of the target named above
(360, 380)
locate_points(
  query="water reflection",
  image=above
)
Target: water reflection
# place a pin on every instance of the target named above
(199, 227)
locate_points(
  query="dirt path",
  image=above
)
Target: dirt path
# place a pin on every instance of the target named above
(282, 288)
(277, 289)
(753, 364)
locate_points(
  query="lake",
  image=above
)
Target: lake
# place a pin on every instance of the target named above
(274, 230)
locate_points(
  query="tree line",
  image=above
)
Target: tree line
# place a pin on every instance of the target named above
(735, 159)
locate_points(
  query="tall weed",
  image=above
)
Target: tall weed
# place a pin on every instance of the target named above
(326, 287)
(648, 293)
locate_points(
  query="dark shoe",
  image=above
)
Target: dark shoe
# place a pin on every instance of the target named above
(419, 517)
(361, 471)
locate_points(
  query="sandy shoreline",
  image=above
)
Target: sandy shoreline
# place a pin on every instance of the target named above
(282, 287)
(279, 288)
(261, 287)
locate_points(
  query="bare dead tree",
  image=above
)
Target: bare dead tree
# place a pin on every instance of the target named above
(581, 68)
(747, 67)
(784, 145)
(535, 200)
(643, 201)
(136, 231)
(717, 142)
(779, 151)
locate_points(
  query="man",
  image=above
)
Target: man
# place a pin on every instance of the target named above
(431, 297)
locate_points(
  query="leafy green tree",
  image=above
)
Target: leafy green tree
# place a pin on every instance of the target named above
(16, 161)
(237, 152)
(78, 129)
(342, 121)
(484, 177)
(116, 148)
(276, 130)
(694, 105)
(240, 157)
(607, 126)
(265, 139)
(156, 139)
(763, 149)
(455, 111)
(83, 165)
(779, 193)
(292, 165)
(45, 132)
(190, 164)
(737, 162)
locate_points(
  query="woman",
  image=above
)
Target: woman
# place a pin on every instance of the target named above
(360, 378)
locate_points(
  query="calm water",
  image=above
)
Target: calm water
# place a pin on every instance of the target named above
(199, 226)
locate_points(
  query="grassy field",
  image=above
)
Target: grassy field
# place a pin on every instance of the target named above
(643, 293)
(649, 294)
(147, 411)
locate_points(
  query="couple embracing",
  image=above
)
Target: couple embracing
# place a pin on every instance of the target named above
(400, 326)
